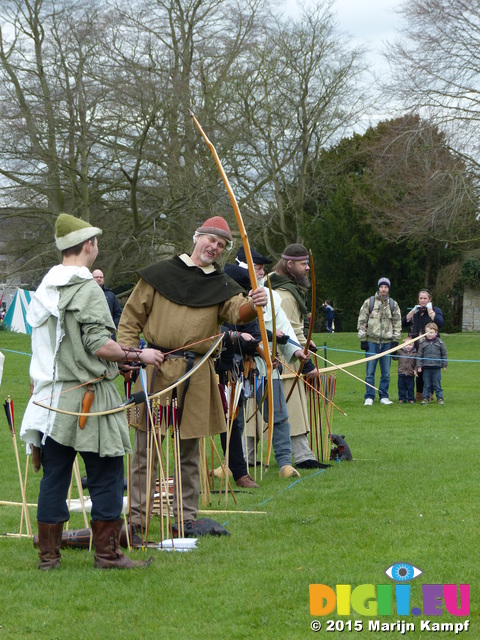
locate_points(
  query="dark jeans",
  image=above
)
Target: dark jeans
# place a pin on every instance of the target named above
(432, 381)
(406, 387)
(105, 483)
(385, 362)
(419, 383)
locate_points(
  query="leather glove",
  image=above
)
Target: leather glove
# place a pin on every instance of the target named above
(282, 340)
(394, 344)
(248, 346)
(364, 345)
(308, 367)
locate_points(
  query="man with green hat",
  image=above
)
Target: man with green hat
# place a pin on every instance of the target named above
(74, 363)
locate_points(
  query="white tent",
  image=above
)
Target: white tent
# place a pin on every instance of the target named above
(15, 318)
(2, 358)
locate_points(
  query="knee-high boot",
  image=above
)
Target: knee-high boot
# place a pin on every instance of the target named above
(72, 539)
(107, 551)
(49, 541)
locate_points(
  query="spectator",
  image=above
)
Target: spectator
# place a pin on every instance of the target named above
(417, 319)
(329, 316)
(113, 303)
(406, 371)
(379, 328)
(431, 359)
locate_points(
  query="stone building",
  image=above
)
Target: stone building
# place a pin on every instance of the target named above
(471, 309)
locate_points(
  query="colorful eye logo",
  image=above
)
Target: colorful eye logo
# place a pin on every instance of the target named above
(403, 572)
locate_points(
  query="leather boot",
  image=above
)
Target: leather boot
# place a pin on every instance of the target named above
(247, 482)
(136, 540)
(107, 551)
(49, 541)
(418, 396)
(72, 539)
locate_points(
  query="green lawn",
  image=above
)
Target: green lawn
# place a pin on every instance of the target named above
(410, 495)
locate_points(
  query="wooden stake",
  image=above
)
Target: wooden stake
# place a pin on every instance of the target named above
(24, 513)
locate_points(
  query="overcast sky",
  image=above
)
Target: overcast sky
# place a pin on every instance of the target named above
(368, 22)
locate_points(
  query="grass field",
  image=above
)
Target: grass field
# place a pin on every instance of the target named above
(410, 495)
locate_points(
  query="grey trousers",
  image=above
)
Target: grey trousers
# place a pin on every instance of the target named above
(301, 449)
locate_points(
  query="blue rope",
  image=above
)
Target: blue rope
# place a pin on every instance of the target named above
(354, 351)
(18, 352)
(296, 481)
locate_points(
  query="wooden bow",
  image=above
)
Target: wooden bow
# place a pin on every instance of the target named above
(152, 396)
(253, 280)
(310, 329)
(274, 318)
(376, 356)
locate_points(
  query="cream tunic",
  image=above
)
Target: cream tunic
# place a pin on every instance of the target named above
(297, 404)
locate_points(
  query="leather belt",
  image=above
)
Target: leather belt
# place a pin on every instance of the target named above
(189, 356)
(178, 353)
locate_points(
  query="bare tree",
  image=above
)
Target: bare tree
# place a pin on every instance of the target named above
(417, 188)
(94, 116)
(436, 67)
(48, 105)
(50, 157)
(298, 90)
(173, 56)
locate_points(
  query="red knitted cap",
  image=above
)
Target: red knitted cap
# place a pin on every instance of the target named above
(217, 226)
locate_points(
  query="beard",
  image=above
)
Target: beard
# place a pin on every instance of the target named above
(302, 281)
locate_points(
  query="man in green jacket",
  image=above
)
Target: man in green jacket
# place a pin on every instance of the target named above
(379, 327)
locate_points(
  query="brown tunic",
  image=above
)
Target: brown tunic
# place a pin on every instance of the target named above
(170, 325)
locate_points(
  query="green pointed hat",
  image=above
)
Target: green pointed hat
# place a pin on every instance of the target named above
(70, 231)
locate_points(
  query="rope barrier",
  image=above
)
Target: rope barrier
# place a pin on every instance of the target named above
(354, 351)
(17, 352)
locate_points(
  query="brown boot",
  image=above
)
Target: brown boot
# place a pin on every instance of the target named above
(418, 396)
(72, 539)
(107, 550)
(247, 482)
(136, 540)
(49, 541)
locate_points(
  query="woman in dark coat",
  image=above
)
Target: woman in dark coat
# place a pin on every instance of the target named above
(417, 319)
